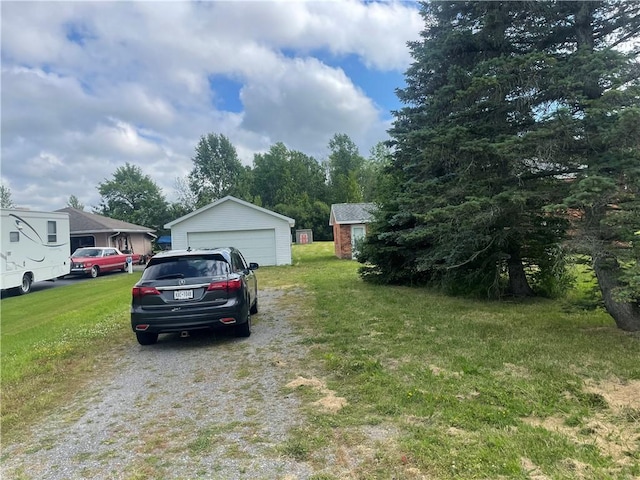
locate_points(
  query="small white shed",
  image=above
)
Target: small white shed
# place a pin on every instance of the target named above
(261, 235)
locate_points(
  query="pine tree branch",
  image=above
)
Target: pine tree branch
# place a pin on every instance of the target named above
(474, 256)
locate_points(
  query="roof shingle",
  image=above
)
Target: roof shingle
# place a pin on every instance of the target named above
(85, 222)
(347, 213)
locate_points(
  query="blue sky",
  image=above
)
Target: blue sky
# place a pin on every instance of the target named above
(90, 86)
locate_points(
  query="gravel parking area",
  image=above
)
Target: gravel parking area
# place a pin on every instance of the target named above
(210, 407)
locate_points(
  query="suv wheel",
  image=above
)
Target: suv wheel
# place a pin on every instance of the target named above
(254, 307)
(244, 329)
(146, 338)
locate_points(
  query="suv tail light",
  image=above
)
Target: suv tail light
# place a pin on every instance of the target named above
(139, 292)
(228, 285)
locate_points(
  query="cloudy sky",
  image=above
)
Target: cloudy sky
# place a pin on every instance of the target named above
(88, 86)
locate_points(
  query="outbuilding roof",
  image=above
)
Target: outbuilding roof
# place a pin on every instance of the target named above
(351, 213)
(81, 222)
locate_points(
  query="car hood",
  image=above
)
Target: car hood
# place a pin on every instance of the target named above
(84, 259)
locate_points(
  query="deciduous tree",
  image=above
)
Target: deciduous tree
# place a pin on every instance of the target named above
(133, 197)
(75, 203)
(217, 171)
(372, 176)
(282, 176)
(5, 197)
(293, 184)
(345, 166)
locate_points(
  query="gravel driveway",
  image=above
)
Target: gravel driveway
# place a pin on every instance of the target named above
(210, 407)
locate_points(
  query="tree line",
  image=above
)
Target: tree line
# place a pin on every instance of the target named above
(286, 181)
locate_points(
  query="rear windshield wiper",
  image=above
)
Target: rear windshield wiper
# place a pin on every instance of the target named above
(171, 275)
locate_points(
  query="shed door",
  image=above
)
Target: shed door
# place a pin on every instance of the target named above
(357, 234)
(255, 245)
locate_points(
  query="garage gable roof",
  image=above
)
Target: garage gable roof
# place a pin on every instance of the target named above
(229, 198)
(351, 213)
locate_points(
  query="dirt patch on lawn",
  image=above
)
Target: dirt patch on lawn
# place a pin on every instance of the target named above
(618, 394)
(330, 403)
(615, 430)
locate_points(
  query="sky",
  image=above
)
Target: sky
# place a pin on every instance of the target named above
(89, 86)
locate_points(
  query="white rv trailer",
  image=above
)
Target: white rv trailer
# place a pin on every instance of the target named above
(34, 247)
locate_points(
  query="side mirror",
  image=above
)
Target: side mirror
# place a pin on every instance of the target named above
(253, 266)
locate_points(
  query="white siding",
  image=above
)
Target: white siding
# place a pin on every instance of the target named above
(256, 245)
(231, 216)
(31, 250)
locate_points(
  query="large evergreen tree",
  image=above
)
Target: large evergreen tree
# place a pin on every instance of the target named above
(596, 112)
(513, 108)
(465, 213)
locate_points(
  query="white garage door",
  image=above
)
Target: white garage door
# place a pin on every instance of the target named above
(255, 245)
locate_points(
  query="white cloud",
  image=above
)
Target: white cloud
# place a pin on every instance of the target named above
(377, 32)
(89, 86)
(303, 103)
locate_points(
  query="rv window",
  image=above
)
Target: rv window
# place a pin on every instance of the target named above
(52, 236)
(14, 236)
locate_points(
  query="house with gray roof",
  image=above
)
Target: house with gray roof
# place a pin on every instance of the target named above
(93, 230)
(349, 222)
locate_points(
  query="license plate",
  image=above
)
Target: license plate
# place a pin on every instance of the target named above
(182, 294)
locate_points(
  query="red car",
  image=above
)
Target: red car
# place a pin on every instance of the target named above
(93, 261)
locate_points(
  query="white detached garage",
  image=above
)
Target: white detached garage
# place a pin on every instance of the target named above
(261, 235)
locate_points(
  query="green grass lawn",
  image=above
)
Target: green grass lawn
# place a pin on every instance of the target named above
(52, 340)
(434, 387)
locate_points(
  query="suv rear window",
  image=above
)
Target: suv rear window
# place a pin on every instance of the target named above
(185, 267)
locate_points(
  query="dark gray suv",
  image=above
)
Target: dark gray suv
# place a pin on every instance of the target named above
(185, 290)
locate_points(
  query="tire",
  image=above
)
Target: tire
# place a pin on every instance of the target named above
(244, 329)
(95, 271)
(146, 338)
(254, 307)
(25, 286)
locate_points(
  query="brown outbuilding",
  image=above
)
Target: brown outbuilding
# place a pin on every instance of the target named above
(349, 222)
(93, 230)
